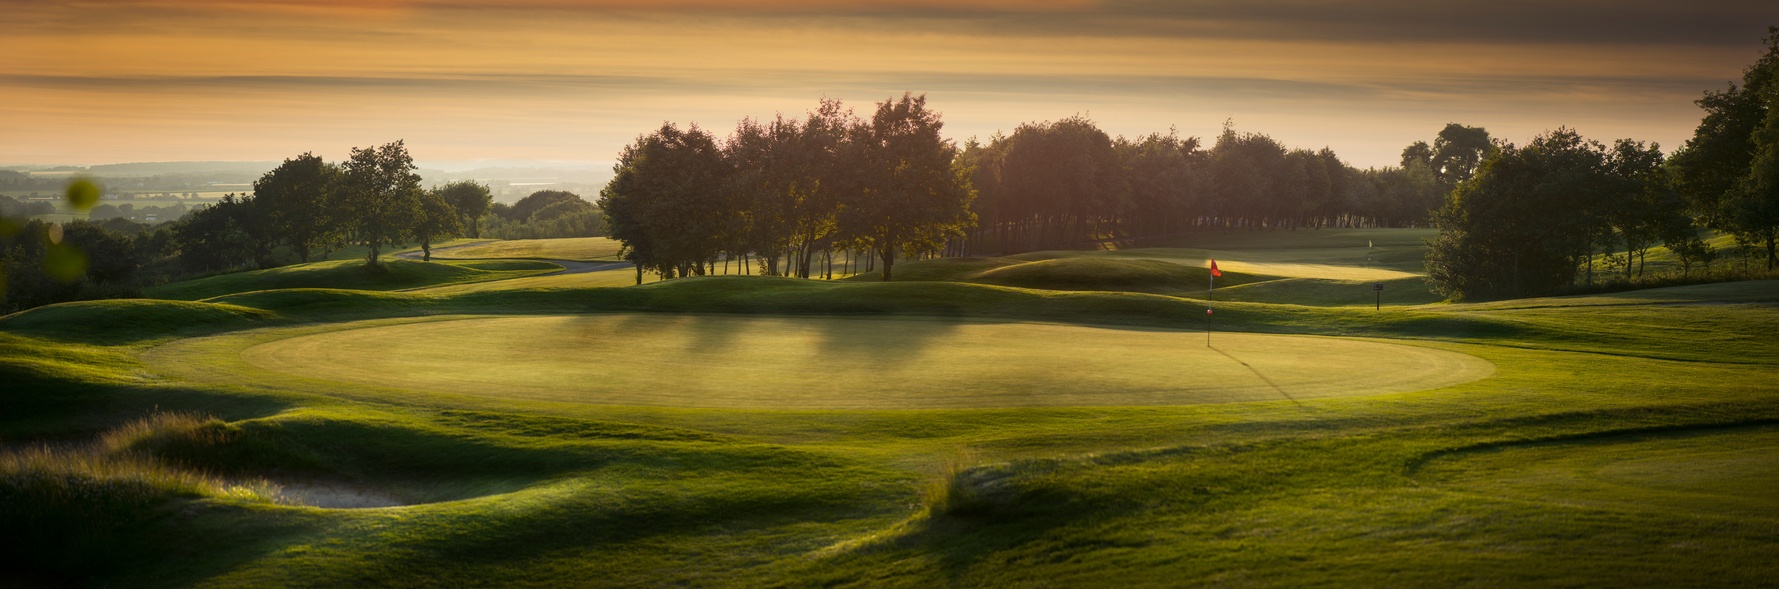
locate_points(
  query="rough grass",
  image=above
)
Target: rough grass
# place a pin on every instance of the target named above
(72, 513)
(391, 274)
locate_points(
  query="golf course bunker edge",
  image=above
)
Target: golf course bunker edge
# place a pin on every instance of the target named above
(776, 362)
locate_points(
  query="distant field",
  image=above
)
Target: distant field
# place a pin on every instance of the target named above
(716, 361)
(583, 249)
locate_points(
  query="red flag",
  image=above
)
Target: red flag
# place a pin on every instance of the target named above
(1214, 271)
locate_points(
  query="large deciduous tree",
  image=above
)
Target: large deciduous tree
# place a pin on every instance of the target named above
(1720, 170)
(296, 200)
(1457, 151)
(1753, 205)
(380, 196)
(1522, 223)
(437, 220)
(910, 195)
(664, 201)
(471, 200)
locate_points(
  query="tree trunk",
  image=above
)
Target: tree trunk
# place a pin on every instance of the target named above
(426, 250)
(639, 274)
(1772, 255)
(371, 260)
(889, 259)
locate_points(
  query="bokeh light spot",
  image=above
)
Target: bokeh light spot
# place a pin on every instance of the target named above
(83, 194)
(64, 263)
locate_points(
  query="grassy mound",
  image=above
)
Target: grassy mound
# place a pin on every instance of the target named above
(1063, 273)
(75, 514)
(391, 274)
(1323, 292)
(1108, 274)
(122, 320)
(937, 270)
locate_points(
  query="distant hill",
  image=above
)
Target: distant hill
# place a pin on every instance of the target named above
(160, 168)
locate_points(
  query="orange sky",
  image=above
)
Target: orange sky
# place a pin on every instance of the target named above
(573, 80)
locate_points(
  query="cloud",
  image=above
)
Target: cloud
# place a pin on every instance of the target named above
(576, 79)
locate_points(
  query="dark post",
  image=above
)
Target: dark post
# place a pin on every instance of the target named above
(1377, 291)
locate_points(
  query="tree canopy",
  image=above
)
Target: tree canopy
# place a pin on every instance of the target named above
(380, 196)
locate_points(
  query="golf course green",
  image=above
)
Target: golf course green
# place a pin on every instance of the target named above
(852, 363)
(989, 422)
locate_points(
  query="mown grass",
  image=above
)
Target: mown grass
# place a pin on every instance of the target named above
(1323, 277)
(1623, 440)
(580, 249)
(391, 274)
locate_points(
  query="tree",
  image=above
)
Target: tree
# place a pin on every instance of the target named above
(523, 210)
(1161, 172)
(1714, 163)
(380, 196)
(1643, 207)
(222, 236)
(1244, 168)
(437, 220)
(765, 167)
(1066, 176)
(1417, 153)
(470, 200)
(1457, 151)
(1752, 208)
(910, 195)
(663, 201)
(1524, 222)
(296, 198)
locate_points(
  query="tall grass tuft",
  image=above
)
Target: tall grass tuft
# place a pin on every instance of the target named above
(964, 488)
(67, 511)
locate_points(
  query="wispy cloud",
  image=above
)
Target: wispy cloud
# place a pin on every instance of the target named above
(566, 79)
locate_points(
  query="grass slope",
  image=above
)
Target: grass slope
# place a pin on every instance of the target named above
(1623, 439)
(1069, 273)
(392, 274)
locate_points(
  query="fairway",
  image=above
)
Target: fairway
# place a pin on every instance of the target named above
(582, 249)
(853, 363)
(1731, 473)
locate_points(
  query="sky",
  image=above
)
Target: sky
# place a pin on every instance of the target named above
(570, 82)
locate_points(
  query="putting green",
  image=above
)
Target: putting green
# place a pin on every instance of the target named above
(852, 363)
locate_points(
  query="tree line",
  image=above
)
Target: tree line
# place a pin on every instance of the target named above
(1060, 184)
(373, 199)
(786, 194)
(1538, 218)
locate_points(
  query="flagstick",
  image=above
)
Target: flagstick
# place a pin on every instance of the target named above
(1210, 296)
